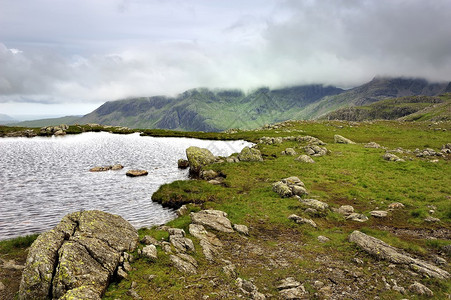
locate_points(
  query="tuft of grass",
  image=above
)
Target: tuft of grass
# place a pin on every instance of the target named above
(16, 244)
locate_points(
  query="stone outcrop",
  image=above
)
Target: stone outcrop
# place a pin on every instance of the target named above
(208, 241)
(290, 186)
(315, 150)
(184, 263)
(54, 130)
(78, 257)
(213, 219)
(136, 173)
(250, 154)
(338, 139)
(301, 220)
(383, 251)
(197, 158)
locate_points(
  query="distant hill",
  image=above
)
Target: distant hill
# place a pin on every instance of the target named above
(69, 120)
(412, 108)
(5, 119)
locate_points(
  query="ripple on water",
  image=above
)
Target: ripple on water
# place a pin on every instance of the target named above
(43, 179)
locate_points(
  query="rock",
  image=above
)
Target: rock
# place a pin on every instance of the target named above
(289, 288)
(184, 263)
(197, 158)
(357, 217)
(241, 229)
(383, 251)
(117, 167)
(432, 220)
(136, 173)
(11, 265)
(229, 270)
(81, 254)
(282, 189)
(176, 231)
(293, 180)
(338, 139)
(440, 261)
(396, 205)
(310, 139)
(420, 289)
(315, 150)
(316, 204)
(100, 169)
(346, 210)
(298, 190)
(289, 151)
(379, 213)
(208, 241)
(183, 210)
(121, 273)
(288, 283)
(372, 145)
(392, 157)
(250, 154)
(232, 159)
(2, 286)
(148, 240)
(301, 220)
(150, 251)
(305, 158)
(215, 182)
(208, 174)
(182, 163)
(323, 239)
(181, 244)
(214, 219)
(132, 293)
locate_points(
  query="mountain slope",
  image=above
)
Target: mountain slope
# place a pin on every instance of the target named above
(410, 108)
(5, 119)
(69, 120)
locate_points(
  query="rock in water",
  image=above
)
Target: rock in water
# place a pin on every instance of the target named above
(250, 154)
(78, 257)
(342, 140)
(136, 173)
(182, 163)
(197, 158)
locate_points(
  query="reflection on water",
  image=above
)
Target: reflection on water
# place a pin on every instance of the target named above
(42, 179)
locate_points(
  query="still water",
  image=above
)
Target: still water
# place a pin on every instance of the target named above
(42, 179)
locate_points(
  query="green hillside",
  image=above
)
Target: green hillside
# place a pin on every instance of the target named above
(70, 120)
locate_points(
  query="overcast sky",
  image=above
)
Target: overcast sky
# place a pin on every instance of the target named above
(68, 57)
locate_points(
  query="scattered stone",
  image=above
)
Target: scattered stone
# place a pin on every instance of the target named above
(323, 239)
(232, 159)
(250, 154)
(208, 241)
(440, 261)
(289, 186)
(151, 277)
(215, 182)
(316, 204)
(315, 150)
(182, 163)
(181, 244)
(208, 174)
(305, 159)
(121, 273)
(396, 205)
(318, 284)
(392, 157)
(311, 211)
(357, 261)
(381, 250)
(399, 289)
(248, 288)
(432, 220)
(2, 286)
(420, 289)
(372, 145)
(298, 190)
(117, 167)
(282, 189)
(310, 140)
(176, 231)
(357, 217)
(148, 240)
(77, 257)
(301, 220)
(214, 219)
(184, 263)
(229, 270)
(379, 213)
(197, 158)
(242, 229)
(132, 293)
(11, 265)
(136, 173)
(289, 288)
(346, 210)
(183, 210)
(338, 139)
(289, 151)
(100, 169)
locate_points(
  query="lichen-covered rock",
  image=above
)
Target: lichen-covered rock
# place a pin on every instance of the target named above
(184, 263)
(150, 251)
(250, 154)
(136, 173)
(315, 150)
(282, 189)
(420, 289)
(346, 210)
(289, 151)
(197, 158)
(182, 163)
(214, 219)
(392, 157)
(357, 217)
(81, 253)
(342, 140)
(208, 174)
(305, 158)
(301, 220)
(382, 250)
(319, 205)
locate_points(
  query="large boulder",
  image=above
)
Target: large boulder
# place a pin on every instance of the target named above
(250, 154)
(197, 158)
(78, 257)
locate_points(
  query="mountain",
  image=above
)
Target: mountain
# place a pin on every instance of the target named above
(69, 120)
(5, 119)
(411, 108)
(210, 110)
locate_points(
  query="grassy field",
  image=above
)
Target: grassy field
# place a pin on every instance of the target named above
(278, 248)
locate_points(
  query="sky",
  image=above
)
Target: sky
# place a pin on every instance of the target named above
(68, 57)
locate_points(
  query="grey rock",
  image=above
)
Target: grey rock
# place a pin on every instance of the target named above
(148, 240)
(250, 154)
(338, 139)
(289, 151)
(121, 273)
(315, 150)
(184, 263)
(181, 244)
(293, 180)
(432, 220)
(288, 283)
(208, 174)
(379, 213)
(346, 210)
(150, 252)
(2, 286)
(323, 239)
(372, 145)
(132, 293)
(215, 182)
(208, 241)
(229, 270)
(242, 229)
(301, 220)
(214, 219)
(305, 158)
(381, 250)
(395, 205)
(316, 204)
(392, 157)
(198, 157)
(176, 231)
(298, 190)
(310, 139)
(357, 217)
(282, 189)
(94, 240)
(420, 289)
(183, 210)
(289, 288)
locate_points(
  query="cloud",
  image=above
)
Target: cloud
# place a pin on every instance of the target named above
(87, 52)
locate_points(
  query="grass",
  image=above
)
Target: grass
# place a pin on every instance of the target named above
(18, 244)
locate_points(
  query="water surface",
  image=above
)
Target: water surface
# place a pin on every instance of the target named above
(42, 179)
